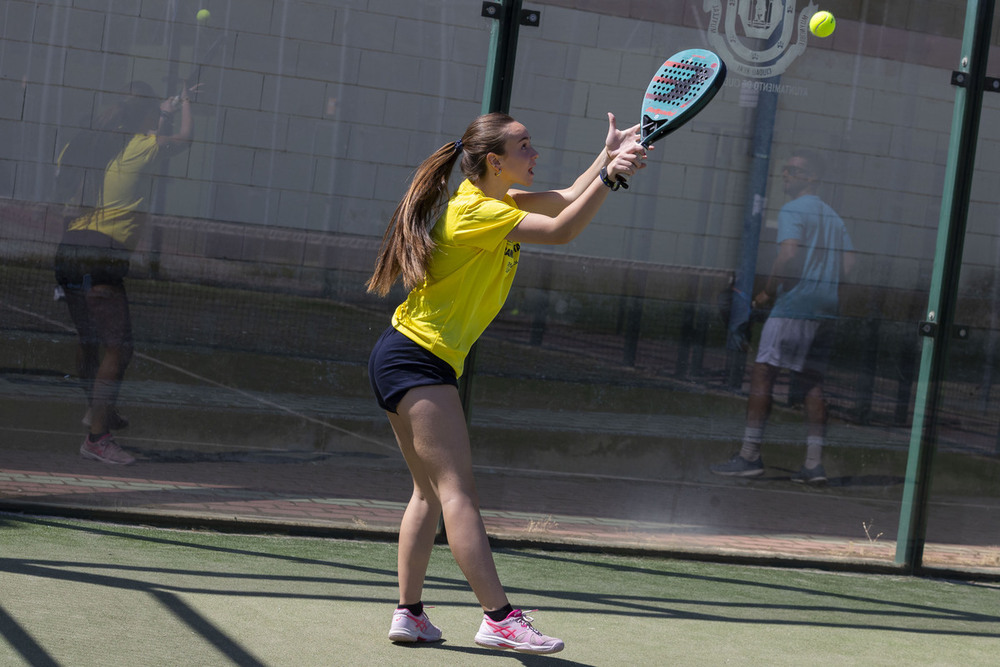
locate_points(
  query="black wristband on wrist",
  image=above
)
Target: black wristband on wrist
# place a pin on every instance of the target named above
(614, 185)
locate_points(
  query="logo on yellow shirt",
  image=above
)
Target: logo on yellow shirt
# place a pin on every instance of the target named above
(511, 251)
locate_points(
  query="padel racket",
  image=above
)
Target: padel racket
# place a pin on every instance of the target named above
(206, 58)
(683, 85)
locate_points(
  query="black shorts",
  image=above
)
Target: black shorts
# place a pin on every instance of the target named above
(84, 260)
(87, 258)
(397, 364)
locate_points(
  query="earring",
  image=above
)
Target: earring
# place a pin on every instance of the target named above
(497, 172)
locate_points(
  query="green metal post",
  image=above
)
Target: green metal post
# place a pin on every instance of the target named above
(496, 97)
(500, 62)
(970, 80)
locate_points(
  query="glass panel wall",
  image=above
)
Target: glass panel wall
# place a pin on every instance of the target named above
(965, 475)
(269, 144)
(635, 345)
(615, 385)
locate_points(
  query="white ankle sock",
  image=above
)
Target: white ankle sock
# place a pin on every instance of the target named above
(814, 451)
(752, 438)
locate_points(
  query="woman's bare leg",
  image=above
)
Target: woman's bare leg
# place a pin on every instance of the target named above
(432, 434)
(419, 526)
(108, 305)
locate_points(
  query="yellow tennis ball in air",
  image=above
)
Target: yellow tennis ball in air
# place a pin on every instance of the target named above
(204, 15)
(822, 24)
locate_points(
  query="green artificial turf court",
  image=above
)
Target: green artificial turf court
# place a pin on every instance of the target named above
(85, 593)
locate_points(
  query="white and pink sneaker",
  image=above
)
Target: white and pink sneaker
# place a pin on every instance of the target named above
(409, 628)
(106, 450)
(516, 632)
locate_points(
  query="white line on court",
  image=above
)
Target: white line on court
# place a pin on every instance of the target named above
(239, 392)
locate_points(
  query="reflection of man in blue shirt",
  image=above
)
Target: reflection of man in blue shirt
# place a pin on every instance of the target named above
(810, 228)
(814, 253)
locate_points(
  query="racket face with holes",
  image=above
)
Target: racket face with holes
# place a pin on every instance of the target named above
(208, 57)
(683, 85)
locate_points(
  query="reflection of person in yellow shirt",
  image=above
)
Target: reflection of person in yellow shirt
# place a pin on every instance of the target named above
(93, 256)
(127, 184)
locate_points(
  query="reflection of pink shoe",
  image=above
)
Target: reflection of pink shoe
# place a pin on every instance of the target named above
(409, 628)
(105, 450)
(516, 632)
(116, 421)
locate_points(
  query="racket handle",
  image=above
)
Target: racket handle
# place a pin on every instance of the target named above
(621, 179)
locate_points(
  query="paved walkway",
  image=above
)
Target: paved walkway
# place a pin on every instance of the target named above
(365, 495)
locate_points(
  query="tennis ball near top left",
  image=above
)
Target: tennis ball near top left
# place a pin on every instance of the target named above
(822, 24)
(204, 15)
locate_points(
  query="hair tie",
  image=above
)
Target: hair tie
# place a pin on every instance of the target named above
(458, 145)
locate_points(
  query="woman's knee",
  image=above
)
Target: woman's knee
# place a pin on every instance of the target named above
(462, 494)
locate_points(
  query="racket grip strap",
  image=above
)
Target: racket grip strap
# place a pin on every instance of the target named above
(614, 185)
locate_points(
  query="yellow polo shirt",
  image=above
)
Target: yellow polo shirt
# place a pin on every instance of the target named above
(468, 277)
(127, 185)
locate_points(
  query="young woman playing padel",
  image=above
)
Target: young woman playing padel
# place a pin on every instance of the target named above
(457, 254)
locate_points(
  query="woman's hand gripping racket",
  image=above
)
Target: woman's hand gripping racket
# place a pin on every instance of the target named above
(683, 85)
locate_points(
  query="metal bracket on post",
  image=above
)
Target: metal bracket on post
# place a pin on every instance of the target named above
(529, 17)
(492, 10)
(991, 84)
(930, 330)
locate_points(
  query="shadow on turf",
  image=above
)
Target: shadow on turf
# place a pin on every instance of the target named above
(864, 608)
(638, 605)
(35, 654)
(524, 658)
(22, 642)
